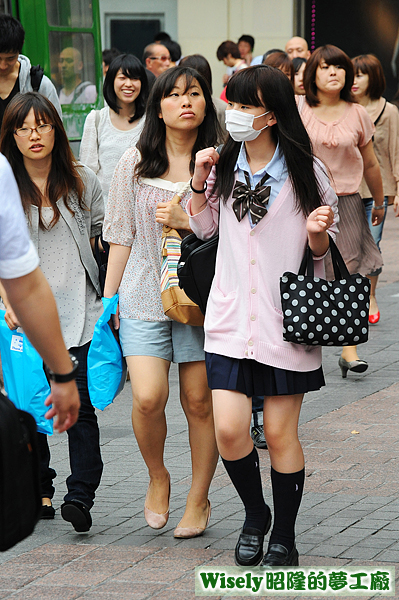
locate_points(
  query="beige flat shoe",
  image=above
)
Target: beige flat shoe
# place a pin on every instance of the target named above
(191, 532)
(156, 520)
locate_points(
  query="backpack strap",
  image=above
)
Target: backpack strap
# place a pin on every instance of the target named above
(79, 90)
(36, 76)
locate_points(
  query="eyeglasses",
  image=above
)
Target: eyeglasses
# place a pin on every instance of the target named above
(25, 131)
(162, 58)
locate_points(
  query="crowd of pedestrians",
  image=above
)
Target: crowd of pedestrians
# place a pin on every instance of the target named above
(297, 142)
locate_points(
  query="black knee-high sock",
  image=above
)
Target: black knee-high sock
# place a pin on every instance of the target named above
(287, 496)
(245, 475)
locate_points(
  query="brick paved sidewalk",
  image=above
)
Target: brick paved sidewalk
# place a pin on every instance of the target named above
(349, 513)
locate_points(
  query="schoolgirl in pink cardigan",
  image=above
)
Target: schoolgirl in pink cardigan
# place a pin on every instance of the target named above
(273, 199)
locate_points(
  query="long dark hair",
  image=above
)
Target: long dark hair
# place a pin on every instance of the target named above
(132, 68)
(63, 177)
(266, 86)
(151, 145)
(332, 55)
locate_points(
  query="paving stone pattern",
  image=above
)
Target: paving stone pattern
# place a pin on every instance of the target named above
(350, 509)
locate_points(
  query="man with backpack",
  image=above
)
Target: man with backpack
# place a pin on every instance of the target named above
(16, 72)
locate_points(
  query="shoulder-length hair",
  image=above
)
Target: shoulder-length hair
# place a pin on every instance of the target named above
(331, 56)
(132, 68)
(281, 60)
(368, 64)
(63, 177)
(268, 87)
(151, 145)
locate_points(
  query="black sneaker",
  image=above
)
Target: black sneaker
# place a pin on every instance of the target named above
(76, 513)
(258, 437)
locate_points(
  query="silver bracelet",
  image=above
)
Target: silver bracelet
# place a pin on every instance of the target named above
(378, 207)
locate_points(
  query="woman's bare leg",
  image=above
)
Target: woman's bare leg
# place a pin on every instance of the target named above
(373, 310)
(280, 424)
(195, 398)
(150, 389)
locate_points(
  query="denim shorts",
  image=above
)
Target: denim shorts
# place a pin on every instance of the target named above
(169, 340)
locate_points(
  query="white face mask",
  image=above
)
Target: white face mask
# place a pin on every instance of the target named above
(239, 125)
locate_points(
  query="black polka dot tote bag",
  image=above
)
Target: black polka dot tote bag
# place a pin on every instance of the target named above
(317, 312)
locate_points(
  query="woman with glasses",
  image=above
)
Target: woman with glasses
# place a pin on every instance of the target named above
(64, 210)
(112, 130)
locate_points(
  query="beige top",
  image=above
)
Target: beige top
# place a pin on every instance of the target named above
(130, 221)
(386, 148)
(337, 144)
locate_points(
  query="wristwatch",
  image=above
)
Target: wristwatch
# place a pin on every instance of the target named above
(65, 377)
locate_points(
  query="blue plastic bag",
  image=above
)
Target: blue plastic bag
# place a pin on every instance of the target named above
(106, 367)
(24, 379)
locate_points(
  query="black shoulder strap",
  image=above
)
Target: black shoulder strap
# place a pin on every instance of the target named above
(381, 113)
(36, 76)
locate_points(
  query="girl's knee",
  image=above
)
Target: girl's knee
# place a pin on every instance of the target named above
(148, 406)
(278, 439)
(228, 438)
(198, 406)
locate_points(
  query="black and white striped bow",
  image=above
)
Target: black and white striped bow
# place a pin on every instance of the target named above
(253, 200)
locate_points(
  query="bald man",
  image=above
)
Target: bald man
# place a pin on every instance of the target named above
(297, 46)
(156, 58)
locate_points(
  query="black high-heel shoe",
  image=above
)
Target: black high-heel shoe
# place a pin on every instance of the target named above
(357, 366)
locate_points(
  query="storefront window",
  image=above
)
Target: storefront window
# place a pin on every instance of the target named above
(69, 13)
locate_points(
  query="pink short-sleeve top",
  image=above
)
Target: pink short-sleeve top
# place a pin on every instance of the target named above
(337, 144)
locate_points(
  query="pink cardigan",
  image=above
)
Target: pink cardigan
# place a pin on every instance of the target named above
(244, 317)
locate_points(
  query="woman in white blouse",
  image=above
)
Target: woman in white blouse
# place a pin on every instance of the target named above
(181, 120)
(112, 130)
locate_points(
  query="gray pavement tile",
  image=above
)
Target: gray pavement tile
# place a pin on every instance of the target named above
(371, 523)
(328, 549)
(388, 556)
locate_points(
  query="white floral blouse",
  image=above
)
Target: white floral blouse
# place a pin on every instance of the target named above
(130, 221)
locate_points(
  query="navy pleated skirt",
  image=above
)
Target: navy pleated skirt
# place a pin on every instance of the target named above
(256, 379)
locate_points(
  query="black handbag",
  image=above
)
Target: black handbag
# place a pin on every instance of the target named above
(101, 258)
(317, 312)
(196, 268)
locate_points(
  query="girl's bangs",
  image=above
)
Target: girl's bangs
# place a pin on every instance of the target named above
(333, 56)
(186, 75)
(39, 111)
(243, 89)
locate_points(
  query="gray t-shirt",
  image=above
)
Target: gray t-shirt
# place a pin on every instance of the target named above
(78, 304)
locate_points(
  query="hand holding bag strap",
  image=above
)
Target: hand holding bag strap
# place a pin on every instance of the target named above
(176, 200)
(340, 268)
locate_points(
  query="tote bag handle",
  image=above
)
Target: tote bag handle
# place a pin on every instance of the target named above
(340, 268)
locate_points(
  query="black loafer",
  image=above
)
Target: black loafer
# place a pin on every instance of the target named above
(48, 512)
(78, 514)
(249, 548)
(278, 556)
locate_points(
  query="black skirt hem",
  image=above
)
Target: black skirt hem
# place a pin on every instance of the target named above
(252, 378)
